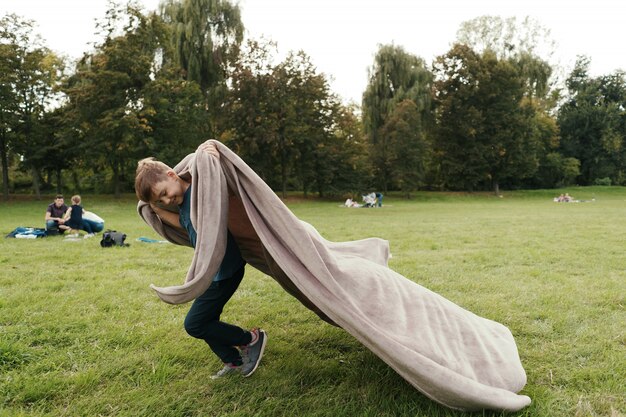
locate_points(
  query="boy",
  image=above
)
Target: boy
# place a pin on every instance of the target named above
(239, 350)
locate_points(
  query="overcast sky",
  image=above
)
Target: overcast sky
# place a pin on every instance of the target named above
(342, 36)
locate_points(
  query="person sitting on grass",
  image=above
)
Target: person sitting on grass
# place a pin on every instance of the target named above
(238, 349)
(55, 212)
(74, 217)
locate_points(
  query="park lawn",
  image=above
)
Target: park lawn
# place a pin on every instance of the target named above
(81, 333)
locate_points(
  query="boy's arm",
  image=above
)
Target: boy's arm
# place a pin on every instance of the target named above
(167, 216)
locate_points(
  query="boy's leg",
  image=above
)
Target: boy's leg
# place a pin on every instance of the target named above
(202, 320)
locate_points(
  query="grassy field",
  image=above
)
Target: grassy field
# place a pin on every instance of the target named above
(81, 334)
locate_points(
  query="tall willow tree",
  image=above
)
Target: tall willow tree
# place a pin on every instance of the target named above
(395, 76)
(205, 39)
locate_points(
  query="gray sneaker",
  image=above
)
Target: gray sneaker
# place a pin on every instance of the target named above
(228, 369)
(252, 354)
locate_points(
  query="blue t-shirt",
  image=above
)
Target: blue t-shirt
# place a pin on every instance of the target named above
(232, 261)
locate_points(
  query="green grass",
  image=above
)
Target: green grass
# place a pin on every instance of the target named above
(81, 334)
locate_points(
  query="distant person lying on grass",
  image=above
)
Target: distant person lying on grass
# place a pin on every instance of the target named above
(564, 198)
(238, 349)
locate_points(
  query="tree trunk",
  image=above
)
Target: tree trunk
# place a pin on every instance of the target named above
(496, 188)
(116, 180)
(4, 159)
(283, 170)
(36, 187)
(76, 181)
(59, 182)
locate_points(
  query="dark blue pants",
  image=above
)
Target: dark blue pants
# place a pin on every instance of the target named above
(203, 320)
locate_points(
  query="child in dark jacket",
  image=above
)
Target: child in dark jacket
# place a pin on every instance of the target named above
(74, 217)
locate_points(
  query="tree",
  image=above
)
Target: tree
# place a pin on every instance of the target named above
(483, 120)
(205, 40)
(395, 76)
(255, 111)
(592, 122)
(32, 72)
(285, 121)
(341, 160)
(38, 76)
(62, 148)
(10, 36)
(506, 37)
(175, 115)
(409, 150)
(107, 91)
(460, 119)
(523, 43)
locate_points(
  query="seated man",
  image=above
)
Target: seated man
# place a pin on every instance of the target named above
(54, 216)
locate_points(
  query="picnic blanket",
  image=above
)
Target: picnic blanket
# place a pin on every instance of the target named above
(22, 232)
(451, 355)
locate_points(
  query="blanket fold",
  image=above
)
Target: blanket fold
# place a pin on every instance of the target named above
(451, 355)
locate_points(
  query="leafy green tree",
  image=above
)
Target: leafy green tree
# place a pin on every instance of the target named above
(175, 116)
(483, 135)
(204, 41)
(556, 170)
(409, 149)
(107, 92)
(592, 122)
(458, 141)
(524, 43)
(63, 148)
(255, 111)
(395, 76)
(341, 164)
(32, 74)
(286, 123)
(529, 47)
(11, 35)
(38, 76)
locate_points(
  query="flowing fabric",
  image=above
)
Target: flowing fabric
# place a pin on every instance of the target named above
(451, 355)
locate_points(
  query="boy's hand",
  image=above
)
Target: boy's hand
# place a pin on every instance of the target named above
(210, 148)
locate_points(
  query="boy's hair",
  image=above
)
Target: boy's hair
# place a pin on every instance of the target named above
(58, 196)
(149, 173)
(76, 199)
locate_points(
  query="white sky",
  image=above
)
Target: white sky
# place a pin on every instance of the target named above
(342, 36)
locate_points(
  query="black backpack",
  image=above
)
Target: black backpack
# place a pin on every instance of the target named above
(112, 238)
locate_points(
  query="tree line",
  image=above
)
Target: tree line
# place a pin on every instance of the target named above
(488, 114)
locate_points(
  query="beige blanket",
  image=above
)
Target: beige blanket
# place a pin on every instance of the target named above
(451, 355)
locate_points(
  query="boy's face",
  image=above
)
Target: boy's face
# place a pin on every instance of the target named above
(58, 202)
(168, 192)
